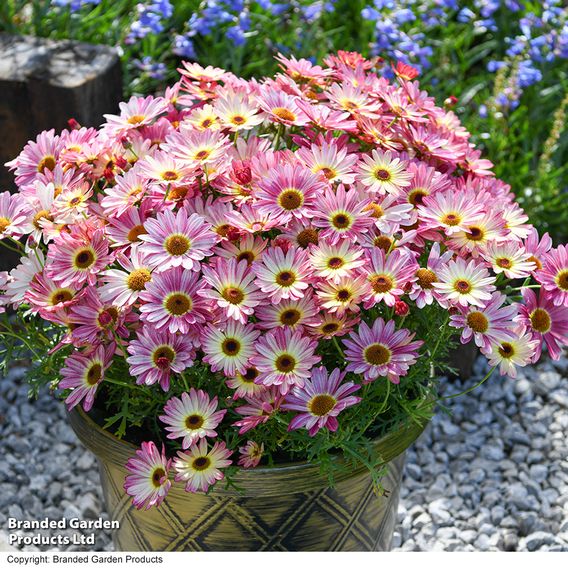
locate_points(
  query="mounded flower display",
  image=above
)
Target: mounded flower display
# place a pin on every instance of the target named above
(255, 272)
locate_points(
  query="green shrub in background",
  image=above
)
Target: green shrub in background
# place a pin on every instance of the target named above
(504, 60)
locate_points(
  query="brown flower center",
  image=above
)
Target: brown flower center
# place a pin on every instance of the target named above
(306, 237)
(138, 278)
(177, 245)
(540, 320)
(382, 175)
(201, 463)
(475, 234)
(178, 304)
(321, 404)
(158, 476)
(194, 422)
(335, 262)
(477, 322)
(451, 219)
(462, 286)
(290, 317)
(290, 199)
(202, 154)
(341, 221)
(94, 374)
(343, 295)
(285, 363)
(84, 258)
(330, 328)
(426, 278)
(238, 120)
(233, 295)
(417, 195)
(60, 295)
(536, 261)
(46, 163)
(170, 175)
(381, 283)
(503, 262)
(383, 242)
(246, 255)
(163, 357)
(250, 375)
(506, 350)
(231, 346)
(327, 172)
(377, 354)
(285, 278)
(134, 233)
(376, 210)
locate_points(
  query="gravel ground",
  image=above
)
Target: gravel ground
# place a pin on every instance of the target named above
(493, 475)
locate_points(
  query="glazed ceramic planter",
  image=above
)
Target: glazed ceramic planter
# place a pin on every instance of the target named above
(285, 508)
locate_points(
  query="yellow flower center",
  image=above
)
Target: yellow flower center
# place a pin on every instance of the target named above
(503, 262)
(4, 224)
(60, 295)
(322, 404)
(290, 199)
(163, 356)
(341, 221)
(377, 354)
(134, 233)
(306, 237)
(201, 463)
(477, 322)
(382, 174)
(335, 262)
(178, 304)
(177, 245)
(475, 234)
(506, 350)
(426, 278)
(138, 279)
(46, 163)
(462, 286)
(285, 363)
(451, 219)
(540, 320)
(84, 258)
(233, 295)
(285, 278)
(94, 374)
(170, 175)
(284, 114)
(158, 476)
(43, 214)
(381, 283)
(562, 280)
(194, 422)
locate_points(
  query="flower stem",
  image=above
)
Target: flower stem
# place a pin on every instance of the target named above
(471, 388)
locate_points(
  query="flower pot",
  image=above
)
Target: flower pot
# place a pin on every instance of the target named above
(285, 508)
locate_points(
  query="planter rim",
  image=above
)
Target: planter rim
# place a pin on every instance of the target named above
(267, 480)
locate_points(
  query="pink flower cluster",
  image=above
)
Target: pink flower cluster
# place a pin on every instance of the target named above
(243, 224)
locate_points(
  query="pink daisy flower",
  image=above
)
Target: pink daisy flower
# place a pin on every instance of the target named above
(230, 349)
(281, 107)
(478, 235)
(244, 383)
(464, 283)
(251, 454)
(123, 287)
(509, 354)
(192, 417)
(234, 290)
(283, 275)
(329, 161)
(288, 191)
(73, 262)
(381, 351)
(320, 401)
(24, 275)
(127, 192)
(554, 274)
(45, 296)
(177, 240)
(344, 295)
(423, 287)
(295, 314)
(199, 468)
(259, 409)
(94, 320)
(135, 113)
(154, 355)
(450, 210)
(36, 157)
(125, 230)
(389, 275)
(486, 325)
(336, 261)
(546, 321)
(383, 172)
(509, 258)
(537, 247)
(248, 247)
(342, 215)
(171, 301)
(148, 482)
(285, 358)
(14, 217)
(83, 372)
